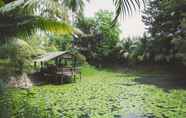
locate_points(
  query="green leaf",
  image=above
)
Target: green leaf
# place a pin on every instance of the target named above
(11, 26)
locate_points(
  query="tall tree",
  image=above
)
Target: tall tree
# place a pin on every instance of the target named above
(99, 45)
(21, 22)
(22, 17)
(125, 7)
(165, 22)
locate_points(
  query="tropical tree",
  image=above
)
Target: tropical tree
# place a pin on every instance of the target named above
(16, 20)
(99, 45)
(22, 23)
(15, 58)
(126, 7)
(134, 50)
(23, 17)
(165, 22)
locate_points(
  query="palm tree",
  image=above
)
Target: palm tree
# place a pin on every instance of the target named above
(126, 7)
(22, 17)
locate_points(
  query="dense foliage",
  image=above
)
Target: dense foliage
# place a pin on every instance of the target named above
(101, 93)
(165, 21)
(164, 42)
(99, 45)
(15, 58)
(25, 16)
(19, 18)
(62, 43)
(22, 18)
(134, 50)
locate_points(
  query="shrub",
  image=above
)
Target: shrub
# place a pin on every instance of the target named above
(15, 57)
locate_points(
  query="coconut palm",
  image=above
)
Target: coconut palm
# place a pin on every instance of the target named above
(21, 17)
(25, 16)
(126, 7)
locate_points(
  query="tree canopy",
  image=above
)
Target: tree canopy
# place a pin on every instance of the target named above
(165, 21)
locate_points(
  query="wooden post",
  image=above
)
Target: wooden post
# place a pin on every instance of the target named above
(74, 66)
(61, 77)
(41, 68)
(35, 64)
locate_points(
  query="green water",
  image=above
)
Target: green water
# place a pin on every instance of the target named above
(100, 94)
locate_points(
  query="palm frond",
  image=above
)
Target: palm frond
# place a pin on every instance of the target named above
(11, 26)
(38, 6)
(32, 7)
(74, 5)
(9, 7)
(46, 8)
(126, 7)
(55, 5)
(14, 24)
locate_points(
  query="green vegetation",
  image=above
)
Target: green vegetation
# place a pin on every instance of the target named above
(30, 28)
(101, 94)
(15, 58)
(100, 45)
(26, 17)
(165, 21)
(51, 25)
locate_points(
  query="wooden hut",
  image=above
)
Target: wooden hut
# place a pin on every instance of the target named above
(59, 65)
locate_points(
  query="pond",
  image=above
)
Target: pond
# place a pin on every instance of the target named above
(102, 93)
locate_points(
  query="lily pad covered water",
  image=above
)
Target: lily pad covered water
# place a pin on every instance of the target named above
(100, 94)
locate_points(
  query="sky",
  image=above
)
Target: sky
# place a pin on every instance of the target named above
(131, 26)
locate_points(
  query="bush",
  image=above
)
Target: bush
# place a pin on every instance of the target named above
(15, 57)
